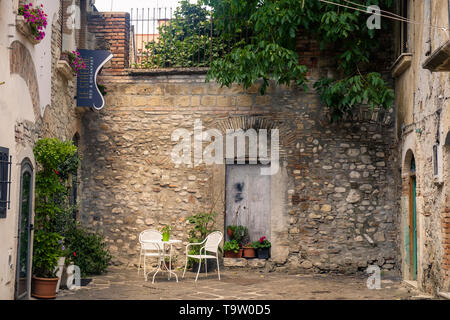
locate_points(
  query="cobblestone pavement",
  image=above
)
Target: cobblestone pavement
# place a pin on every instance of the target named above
(125, 284)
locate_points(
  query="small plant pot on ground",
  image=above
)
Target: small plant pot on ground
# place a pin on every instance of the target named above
(44, 288)
(211, 264)
(249, 252)
(263, 253)
(232, 254)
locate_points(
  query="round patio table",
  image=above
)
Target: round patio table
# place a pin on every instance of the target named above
(162, 248)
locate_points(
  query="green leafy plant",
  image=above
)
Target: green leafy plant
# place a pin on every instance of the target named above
(88, 251)
(166, 232)
(57, 234)
(254, 244)
(185, 41)
(232, 245)
(269, 51)
(262, 243)
(202, 225)
(241, 234)
(57, 161)
(46, 252)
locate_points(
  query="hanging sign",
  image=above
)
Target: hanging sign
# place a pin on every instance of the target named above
(88, 94)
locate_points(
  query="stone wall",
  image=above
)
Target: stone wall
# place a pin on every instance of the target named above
(339, 196)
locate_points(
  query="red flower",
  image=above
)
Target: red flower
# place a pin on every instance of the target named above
(261, 240)
(74, 254)
(57, 173)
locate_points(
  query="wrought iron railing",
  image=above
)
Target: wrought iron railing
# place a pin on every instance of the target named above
(168, 38)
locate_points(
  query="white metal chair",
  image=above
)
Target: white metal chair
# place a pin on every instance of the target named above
(211, 244)
(149, 249)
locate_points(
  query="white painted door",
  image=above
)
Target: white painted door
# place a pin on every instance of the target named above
(248, 199)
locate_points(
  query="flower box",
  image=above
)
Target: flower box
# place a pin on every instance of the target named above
(65, 69)
(23, 27)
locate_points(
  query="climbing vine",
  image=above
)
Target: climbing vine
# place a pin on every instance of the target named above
(269, 49)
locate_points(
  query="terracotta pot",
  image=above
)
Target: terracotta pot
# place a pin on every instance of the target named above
(249, 252)
(44, 288)
(232, 254)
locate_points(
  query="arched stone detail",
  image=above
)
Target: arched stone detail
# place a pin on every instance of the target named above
(286, 130)
(21, 63)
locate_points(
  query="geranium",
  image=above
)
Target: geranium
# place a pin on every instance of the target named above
(36, 19)
(76, 61)
(263, 243)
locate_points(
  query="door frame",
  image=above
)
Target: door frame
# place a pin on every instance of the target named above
(412, 226)
(26, 166)
(247, 163)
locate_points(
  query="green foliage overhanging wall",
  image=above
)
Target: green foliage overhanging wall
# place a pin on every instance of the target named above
(269, 51)
(254, 39)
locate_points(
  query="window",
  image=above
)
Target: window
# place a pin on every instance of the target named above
(404, 12)
(437, 164)
(5, 181)
(435, 160)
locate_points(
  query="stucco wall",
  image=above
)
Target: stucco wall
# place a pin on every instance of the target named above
(35, 101)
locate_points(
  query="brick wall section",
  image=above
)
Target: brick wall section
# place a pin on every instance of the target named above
(114, 27)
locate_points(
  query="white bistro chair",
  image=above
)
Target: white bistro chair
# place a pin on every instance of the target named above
(149, 249)
(210, 244)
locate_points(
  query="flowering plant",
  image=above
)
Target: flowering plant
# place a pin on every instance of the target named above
(263, 243)
(102, 88)
(76, 61)
(36, 19)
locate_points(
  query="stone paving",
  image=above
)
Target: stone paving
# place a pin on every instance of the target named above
(125, 284)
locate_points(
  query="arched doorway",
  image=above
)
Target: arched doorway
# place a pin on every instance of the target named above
(412, 226)
(23, 264)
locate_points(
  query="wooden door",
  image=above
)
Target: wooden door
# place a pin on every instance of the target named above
(413, 228)
(248, 199)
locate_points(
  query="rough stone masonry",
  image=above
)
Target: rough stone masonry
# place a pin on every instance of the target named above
(337, 189)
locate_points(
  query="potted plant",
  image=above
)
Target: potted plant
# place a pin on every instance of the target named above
(240, 234)
(75, 60)
(166, 232)
(46, 253)
(249, 250)
(230, 231)
(35, 19)
(202, 225)
(263, 248)
(232, 249)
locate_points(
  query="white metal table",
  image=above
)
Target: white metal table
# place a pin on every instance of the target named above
(162, 247)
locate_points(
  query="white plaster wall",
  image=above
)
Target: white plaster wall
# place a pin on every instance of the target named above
(16, 106)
